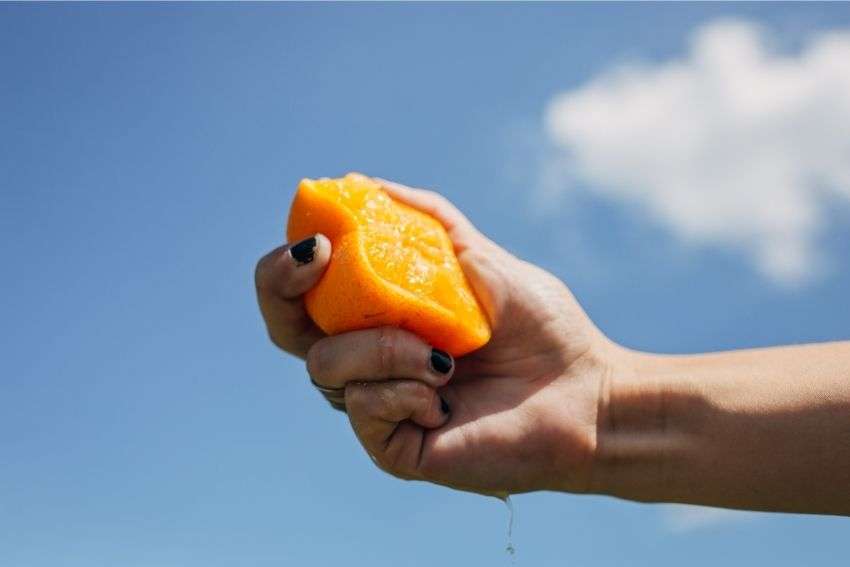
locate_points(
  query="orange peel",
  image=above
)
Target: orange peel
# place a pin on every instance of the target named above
(391, 265)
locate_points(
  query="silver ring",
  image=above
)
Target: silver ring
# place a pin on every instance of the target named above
(333, 392)
(334, 396)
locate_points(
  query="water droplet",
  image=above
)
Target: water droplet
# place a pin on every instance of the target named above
(509, 548)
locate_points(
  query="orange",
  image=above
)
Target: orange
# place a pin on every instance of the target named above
(391, 265)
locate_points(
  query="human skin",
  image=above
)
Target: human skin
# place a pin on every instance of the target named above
(550, 403)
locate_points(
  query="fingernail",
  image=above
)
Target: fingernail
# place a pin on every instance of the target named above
(441, 361)
(304, 251)
(444, 406)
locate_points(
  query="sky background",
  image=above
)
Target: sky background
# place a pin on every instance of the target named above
(148, 155)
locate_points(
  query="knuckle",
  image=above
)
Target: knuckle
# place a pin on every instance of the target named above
(400, 467)
(386, 395)
(474, 255)
(387, 402)
(354, 399)
(263, 269)
(387, 351)
(442, 203)
(419, 391)
(317, 359)
(385, 462)
(363, 407)
(261, 280)
(394, 462)
(369, 400)
(430, 194)
(277, 340)
(271, 275)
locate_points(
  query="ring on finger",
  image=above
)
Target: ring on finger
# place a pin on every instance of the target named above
(334, 396)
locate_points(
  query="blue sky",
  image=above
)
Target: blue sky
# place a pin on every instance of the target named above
(148, 154)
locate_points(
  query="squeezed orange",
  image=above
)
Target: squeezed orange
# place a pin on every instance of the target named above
(391, 265)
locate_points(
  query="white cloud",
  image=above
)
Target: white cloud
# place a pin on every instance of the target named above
(682, 518)
(733, 145)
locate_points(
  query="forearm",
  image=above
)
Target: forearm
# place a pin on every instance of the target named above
(765, 429)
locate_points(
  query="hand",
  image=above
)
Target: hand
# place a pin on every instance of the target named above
(520, 414)
(550, 403)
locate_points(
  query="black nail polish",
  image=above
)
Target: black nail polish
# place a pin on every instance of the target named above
(304, 251)
(444, 406)
(441, 361)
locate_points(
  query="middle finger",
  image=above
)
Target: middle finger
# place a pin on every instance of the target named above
(377, 354)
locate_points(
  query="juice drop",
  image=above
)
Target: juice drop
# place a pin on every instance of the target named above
(509, 548)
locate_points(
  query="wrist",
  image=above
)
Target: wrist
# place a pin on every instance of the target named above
(641, 430)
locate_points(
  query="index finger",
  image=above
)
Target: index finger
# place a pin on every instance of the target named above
(282, 276)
